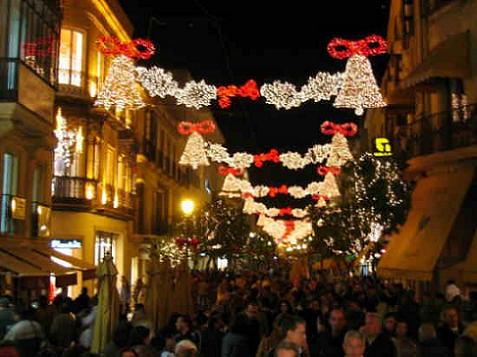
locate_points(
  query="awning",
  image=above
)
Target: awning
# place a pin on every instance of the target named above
(449, 59)
(88, 270)
(413, 252)
(24, 262)
(467, 269)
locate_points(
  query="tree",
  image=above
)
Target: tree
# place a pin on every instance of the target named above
(375, 201)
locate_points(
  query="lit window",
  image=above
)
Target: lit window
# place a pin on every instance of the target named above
(71, 58)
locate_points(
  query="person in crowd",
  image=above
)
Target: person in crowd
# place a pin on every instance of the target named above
(186, 348)
(378, 344)
(236, 342)
(287, 349)
(450, 328)
(127, 352)
(390, 324)
(169, 346)
(63, 328)
(429, 345)
(45, 314)
(254, 328)
(294, 330)
(124, 295)
(466, 344)
(211, 339)
(330, 342)
(7, 316)
(82, 302)
(120, 339)
(405, 346)
(27, 334)
(354, 344)
(140, 336)
(184, 330)
(138, 287)
(269, 342)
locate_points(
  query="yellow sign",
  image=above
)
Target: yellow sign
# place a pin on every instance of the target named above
(383, 147)
(18, 208)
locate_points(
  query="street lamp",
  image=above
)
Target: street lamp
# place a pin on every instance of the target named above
(187, 207)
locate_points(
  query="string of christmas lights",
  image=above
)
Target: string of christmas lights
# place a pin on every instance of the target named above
(253, 207)
(326, 188)
(286, 232)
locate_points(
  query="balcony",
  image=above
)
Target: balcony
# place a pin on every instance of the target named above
(40, 220)
(125, 199)
(73, 190)
(12, 214)
(438, 132)
(77, 84)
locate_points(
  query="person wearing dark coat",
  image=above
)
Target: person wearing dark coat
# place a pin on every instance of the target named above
(378, 344)
(236, 342)
(212, 337)
(451, 329)
(429, 345)
(330, 342)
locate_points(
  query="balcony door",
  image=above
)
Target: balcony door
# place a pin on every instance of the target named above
(71, 58)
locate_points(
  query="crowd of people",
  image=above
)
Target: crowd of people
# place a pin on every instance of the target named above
(263, 315)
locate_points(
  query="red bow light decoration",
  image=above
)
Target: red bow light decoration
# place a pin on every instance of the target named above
(137, 48)
(272, 156)
(225, 170)
(318, 197)
(248, 90)
(372, 45)
(323, 170)
(191, 242)
(346, 129)
(286, 211)
(274, 191)
(203, 127)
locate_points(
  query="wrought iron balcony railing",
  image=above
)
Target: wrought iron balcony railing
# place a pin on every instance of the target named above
(438, 132)
(12, 214)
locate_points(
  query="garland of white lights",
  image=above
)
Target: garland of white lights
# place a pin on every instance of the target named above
(291, 160)
(160, 83)
(277, 229)
(327, 187)
(252, 207)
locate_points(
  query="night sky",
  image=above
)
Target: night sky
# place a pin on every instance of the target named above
(230, 42)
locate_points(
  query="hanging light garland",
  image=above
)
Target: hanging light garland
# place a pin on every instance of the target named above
(248, 90)
(326, 188)
(252, 207)
(286, 232)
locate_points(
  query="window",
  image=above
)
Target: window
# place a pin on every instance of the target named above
(105, 244)
(10, 174)
(110, 166)
(9, 189)
(71, 58)
(93, 159)
(38, 194)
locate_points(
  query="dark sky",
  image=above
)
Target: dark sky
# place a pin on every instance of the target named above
(232, 41)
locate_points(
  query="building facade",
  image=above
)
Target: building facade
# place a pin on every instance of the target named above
(431, 122)
(117, 183)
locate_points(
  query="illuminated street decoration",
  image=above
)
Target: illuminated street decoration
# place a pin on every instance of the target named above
(68, 141)
(194, 154)
(120, 89)
(359, 89)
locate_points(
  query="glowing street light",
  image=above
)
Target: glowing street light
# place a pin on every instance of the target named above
(187, 207)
